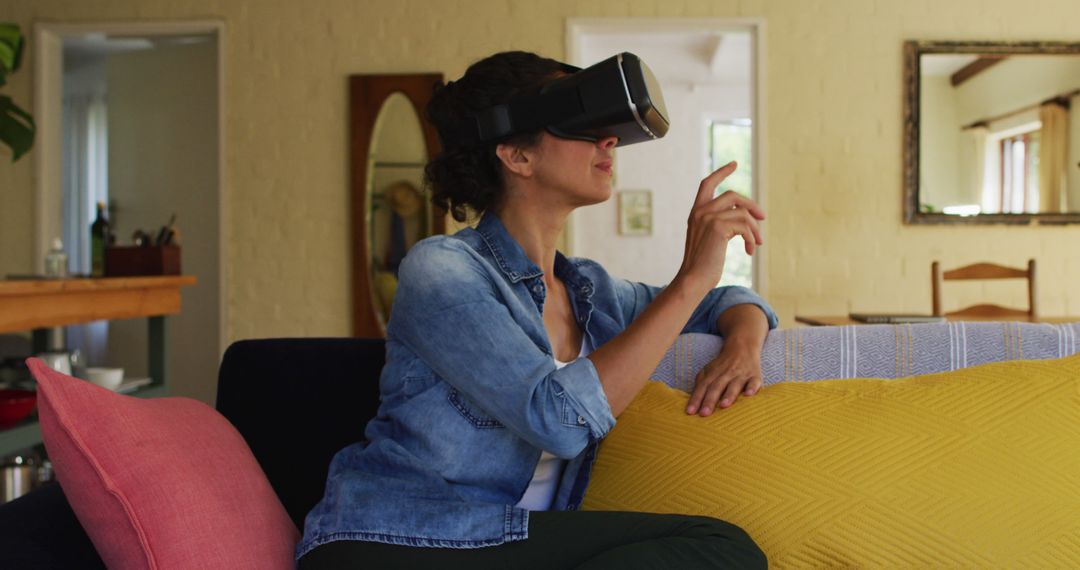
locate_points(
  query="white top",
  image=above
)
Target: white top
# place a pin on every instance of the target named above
(545, 479)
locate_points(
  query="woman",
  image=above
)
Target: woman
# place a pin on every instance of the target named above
(507, 363)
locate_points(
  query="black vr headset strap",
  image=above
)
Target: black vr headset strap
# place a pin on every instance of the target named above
(528, 114)
(522, 115)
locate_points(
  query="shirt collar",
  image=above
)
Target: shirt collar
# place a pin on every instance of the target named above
(506, 250)
(572, 278)
(512, 260)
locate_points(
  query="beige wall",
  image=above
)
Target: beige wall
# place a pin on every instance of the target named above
(834, 113)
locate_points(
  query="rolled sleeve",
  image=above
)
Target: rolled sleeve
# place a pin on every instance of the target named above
(587, 404)
(721, 299)
(635, 297)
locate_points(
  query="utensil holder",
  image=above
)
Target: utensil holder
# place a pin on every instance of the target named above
(124, 261)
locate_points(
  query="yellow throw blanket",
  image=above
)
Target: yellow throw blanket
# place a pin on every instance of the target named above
(978, 467)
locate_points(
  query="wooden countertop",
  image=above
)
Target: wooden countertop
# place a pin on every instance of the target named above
(39, 303)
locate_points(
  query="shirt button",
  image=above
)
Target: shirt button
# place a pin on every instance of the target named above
(581, 420)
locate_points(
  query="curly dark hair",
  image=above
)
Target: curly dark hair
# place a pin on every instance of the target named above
(471, 176)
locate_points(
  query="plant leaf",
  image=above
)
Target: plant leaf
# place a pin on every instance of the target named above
(11, 43)
(16, 128)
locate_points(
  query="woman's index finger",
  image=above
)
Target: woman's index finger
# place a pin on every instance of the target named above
(709, 184)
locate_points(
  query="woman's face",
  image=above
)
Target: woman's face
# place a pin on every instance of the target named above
(579, 170)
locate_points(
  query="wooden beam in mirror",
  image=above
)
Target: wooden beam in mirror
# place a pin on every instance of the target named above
(390, 142)
(991, 132)
(981, 63)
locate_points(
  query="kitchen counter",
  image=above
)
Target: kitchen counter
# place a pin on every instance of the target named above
(39, 304)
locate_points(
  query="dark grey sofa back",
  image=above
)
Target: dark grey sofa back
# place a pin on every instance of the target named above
(297, 402)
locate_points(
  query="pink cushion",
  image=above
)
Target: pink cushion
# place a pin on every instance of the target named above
(164, 483)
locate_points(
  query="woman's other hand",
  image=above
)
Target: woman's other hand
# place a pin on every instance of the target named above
(711, 224)
(735, 371)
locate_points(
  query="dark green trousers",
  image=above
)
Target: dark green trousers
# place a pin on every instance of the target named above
(557, 540)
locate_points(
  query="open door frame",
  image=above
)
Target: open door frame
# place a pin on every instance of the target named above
(48, 154)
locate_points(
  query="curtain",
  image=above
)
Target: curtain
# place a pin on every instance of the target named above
(991, 176)
(85, 182)
(1053, 156)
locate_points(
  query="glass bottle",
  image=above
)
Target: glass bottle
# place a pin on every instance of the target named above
(99, 238)
(56, 261)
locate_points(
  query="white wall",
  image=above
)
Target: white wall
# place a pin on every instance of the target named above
(162, 159)
(939, 142)
(85, 78)
(1014, 83)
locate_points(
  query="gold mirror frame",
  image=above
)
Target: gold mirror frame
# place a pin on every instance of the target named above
(367, 95)
(913, 49)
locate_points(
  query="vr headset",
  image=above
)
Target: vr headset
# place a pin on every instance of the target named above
(617, 97)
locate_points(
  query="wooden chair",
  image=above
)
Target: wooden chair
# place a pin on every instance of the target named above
(985, 271)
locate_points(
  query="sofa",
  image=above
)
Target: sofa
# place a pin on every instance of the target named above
(297, 401)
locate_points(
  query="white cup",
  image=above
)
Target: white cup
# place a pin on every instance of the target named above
(58, 361)
(108, 378)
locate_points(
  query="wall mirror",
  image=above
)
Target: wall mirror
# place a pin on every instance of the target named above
(390, 143)
(991, 132)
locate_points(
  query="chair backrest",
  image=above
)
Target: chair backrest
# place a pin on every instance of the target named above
(982, 271)
(297, 402)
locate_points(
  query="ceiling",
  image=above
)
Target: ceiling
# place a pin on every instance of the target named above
(705, 57)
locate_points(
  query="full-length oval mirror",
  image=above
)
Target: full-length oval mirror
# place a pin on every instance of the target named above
(390, 145)
(397, 214)
(992, 132)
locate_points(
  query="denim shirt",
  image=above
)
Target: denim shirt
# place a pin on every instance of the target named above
(470, 395)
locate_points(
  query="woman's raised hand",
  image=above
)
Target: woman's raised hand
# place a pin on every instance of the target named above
(712, 223)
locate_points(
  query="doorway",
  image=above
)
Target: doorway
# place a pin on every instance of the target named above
(712, 75)
(131, 117)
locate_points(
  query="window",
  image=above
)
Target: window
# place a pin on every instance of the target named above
(1010, 183)
(1019, 178)
(733, 140)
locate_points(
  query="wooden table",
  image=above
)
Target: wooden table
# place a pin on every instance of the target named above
(38, 305)
(845, 320)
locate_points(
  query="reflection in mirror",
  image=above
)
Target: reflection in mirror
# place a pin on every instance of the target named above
(398, 215)
(997, 129)
(388, 147)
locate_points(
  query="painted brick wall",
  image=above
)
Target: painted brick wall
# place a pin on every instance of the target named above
(834, 114)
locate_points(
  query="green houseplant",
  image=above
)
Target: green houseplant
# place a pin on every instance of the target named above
(16, 125)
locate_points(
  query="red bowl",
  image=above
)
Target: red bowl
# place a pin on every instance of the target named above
(15, 405)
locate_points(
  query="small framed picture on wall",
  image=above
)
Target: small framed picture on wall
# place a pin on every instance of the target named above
(635, 212)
